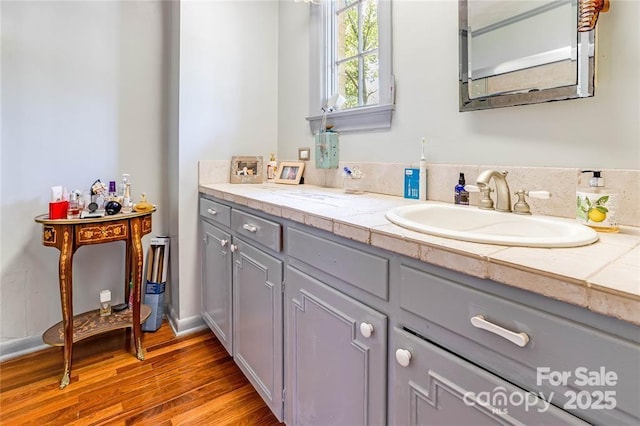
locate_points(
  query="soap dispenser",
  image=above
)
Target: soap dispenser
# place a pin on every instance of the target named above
(596, 205)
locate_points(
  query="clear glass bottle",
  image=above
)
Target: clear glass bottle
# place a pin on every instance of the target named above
(73, 212)
(127, 203)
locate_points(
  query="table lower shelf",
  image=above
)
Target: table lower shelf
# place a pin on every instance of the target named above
(91, 324)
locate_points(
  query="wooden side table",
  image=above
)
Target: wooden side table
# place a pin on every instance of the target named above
(67, 235)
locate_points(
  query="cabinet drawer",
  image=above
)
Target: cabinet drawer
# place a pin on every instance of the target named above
(258, 229)
(555, 345)
(366, 271)
(433, 386)
(215, 212)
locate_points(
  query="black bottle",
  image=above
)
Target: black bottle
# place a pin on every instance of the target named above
(461, 194)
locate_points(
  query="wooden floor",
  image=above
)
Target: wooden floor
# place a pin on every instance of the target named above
(188, 380)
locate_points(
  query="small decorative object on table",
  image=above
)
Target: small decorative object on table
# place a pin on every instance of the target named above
(59, 205)
(143, 205)
(272, 167)
(112, 207)
(290, 172)
(75, 205)
(352, 182)
(98, 193)
(105, 303)
(94, 204)
(127, 203)
(246, 170)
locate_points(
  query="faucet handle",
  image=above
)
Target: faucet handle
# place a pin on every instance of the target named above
(484, 201)
(521, 206)
(545, 195)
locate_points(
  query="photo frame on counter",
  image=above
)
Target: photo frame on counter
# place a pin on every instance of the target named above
(290, 172)
(246, 169)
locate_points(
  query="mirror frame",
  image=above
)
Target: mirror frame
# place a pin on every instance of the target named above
(584, 87)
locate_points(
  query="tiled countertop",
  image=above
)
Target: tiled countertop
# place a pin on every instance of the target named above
(603, 277)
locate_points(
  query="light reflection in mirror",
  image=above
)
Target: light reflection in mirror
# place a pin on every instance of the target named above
(521, 52)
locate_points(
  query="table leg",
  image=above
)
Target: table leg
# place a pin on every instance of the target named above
(136, 269)
(65, 274)
(128, 278)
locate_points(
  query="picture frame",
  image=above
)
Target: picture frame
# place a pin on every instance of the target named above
(246, 169)
(290, 172)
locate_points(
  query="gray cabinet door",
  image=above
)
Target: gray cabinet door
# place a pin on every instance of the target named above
(257, 321)
(436, 387)
(216, 283)
(336, 374)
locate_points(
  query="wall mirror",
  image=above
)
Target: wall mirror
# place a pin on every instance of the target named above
(524, 52)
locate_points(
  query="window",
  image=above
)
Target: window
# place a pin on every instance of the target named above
(354, 61)
(351, 56)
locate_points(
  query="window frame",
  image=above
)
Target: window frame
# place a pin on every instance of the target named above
(361, 118)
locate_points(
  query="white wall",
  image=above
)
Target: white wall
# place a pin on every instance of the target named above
(227, 106)
(82, 99)
(95, 89)
(602, 132)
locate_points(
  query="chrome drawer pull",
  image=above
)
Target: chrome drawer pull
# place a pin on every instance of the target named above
(212, 212)
(520, 339)
(250, 228)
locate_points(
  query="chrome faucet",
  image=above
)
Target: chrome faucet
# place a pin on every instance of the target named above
(503, 195)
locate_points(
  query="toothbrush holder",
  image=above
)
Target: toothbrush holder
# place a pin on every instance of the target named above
(352, 182)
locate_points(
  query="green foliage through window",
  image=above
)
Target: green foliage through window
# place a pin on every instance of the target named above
(355, 63)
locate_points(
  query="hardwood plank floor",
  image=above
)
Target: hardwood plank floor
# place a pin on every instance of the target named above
(182, 381)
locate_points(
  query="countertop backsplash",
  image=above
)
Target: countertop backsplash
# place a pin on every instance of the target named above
(388, 178)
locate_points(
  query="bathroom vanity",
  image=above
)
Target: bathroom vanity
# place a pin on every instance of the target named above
(338, 317)
(242, 293)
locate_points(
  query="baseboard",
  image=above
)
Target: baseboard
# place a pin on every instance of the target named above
(17, 347)
(184, 326)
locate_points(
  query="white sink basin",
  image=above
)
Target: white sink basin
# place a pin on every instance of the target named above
(490, 227)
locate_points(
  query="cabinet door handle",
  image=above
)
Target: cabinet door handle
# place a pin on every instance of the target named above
(250, 228)
(366, 329)
(223, 243)
(233, 248)
(212, 212)
(403, 357)
(520, 339)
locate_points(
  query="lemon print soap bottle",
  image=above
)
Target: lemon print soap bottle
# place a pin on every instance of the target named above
(596, 206)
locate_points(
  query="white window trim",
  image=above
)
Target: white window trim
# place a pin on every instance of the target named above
(375, 117)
